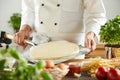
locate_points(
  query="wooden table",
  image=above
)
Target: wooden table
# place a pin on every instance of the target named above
(84, 75)
(100, 51)
(80, 78)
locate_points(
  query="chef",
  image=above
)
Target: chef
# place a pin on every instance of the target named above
(77, 21)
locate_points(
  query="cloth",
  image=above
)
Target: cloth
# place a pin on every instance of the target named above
(46, 17)
(67, 20)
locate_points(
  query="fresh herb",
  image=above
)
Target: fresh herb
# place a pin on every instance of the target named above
(22, 71)
(15, 21)
(46, 75)
(110, 31)
(2, 64)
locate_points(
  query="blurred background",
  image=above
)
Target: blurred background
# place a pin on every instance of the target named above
(8, 7)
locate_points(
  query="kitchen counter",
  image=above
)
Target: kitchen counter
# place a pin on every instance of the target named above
(100, 51)
(84, 76)
(80, 78)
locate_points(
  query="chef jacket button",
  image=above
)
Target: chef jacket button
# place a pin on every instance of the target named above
(41, 22)
(55, 23)
(42, 4)
(58, 5)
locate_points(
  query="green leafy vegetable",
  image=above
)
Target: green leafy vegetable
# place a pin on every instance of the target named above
(15, 20)
(110, 31)
(3, 52)
(46, 76)
(14, 53)
(22, 71)
(2, 64)
(41, 64)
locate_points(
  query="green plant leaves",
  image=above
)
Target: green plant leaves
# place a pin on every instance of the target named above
(2, 64)
(14, 53)
(15, 20)
(3, 52)
(46, 76)
(40, 64)
(110, 31)
(22, 70)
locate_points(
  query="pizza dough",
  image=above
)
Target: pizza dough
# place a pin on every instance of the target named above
(54, 50)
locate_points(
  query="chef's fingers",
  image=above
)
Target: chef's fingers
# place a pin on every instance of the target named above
(89, 40)
(24, 46)
(93, 45)
(88, 43)
(19, 39)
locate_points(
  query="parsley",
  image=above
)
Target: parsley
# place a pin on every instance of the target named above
(110, 31)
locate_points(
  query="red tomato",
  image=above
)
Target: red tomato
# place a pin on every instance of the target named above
(101, 73)
(113, 74)
(73, 69)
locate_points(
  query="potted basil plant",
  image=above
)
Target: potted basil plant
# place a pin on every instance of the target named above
(110, 35)
(15, 21)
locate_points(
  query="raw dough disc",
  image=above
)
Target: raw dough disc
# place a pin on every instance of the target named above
(54, 50)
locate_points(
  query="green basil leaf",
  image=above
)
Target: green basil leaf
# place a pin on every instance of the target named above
(2, 64)
(14, 53)
(3, 52)
(41, 64)
(46, 76)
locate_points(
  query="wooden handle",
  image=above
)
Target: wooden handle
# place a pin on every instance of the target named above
(11, 37)
(25, 41)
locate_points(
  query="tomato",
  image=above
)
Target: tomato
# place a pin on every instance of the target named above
(113, 74)
(101, 73)
(73, 69)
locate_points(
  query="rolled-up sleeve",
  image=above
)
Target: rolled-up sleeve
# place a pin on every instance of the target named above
(28, 13)
(96, 16)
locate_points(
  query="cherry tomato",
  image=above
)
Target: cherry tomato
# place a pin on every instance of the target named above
(101, 73)
(73, 69)
(113, 74)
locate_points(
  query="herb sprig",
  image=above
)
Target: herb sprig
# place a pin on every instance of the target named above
(22, 71)
(110, 31)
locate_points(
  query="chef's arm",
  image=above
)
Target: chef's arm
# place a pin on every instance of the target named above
(27, 23)
(28, 13)
(95, 16)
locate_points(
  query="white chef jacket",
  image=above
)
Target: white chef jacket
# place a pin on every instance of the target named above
(64, 19)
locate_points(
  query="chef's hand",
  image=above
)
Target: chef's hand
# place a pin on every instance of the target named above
(22, 35)
(90, 41)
